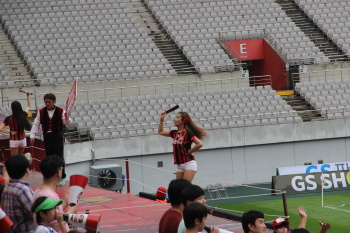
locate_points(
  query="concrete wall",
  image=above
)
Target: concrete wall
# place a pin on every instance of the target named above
(231, 156)
(132, 87)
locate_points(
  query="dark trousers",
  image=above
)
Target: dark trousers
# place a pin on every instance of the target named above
(53, 143)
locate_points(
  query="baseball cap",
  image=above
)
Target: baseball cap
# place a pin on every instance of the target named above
(279, 221)
(48, 204)
(161, 192)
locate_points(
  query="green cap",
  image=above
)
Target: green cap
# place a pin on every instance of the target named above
(48, 204)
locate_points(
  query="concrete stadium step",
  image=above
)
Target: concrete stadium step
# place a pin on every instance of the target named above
(300, 18)
(302, 107)
(13, 63)
(160, 37)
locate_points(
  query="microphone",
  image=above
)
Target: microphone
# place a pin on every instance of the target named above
(26, 92)
(172, 109)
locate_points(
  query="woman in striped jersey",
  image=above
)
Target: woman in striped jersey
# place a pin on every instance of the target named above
(17, 123)
(187, 133)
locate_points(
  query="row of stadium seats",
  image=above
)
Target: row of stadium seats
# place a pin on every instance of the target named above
(322, 84)
(252, 106)
(5, 78)
(105, 38)
(142, 130)
(330, 98)
(332, 17)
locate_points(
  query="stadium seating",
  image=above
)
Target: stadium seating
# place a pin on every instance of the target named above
(139, 115)
(332, 17)
(196, 26)
(5, 78)
(330, 98)
(91, 40)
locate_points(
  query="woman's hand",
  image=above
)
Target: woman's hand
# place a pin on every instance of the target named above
(162, 116)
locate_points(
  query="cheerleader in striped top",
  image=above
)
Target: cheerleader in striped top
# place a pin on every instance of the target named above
(17, 123)
(187, 133)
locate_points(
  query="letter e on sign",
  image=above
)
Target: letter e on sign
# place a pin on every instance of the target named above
(243, 48)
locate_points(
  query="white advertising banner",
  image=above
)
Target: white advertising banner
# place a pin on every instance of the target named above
(326, 167)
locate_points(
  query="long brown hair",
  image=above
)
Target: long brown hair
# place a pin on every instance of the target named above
(191, 126)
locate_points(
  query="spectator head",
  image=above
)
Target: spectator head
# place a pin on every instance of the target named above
(42, 205)
(161, 193)
(193, 193)
(51, 166)
(195, 215)
(300, 230)
(253, 222)
(50, 96)
(280, 225)
(175, 189)
(17, 166)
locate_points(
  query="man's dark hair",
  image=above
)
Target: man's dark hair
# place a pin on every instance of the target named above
(300, 230)
(36, 204)
(175, 189)
(250, 217)
(50, 96)
(191, 193)
(17, 166)
(192, 212)
(50, 165)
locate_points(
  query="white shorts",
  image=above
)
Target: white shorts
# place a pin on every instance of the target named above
(191, 165)
(18, 143)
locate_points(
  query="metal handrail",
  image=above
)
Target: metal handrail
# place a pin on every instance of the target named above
(321, 75)
(203, 85)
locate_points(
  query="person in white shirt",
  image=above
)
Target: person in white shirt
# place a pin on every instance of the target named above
(51, 118)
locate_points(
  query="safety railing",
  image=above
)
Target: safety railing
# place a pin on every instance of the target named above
(321, 75)
(203, 85)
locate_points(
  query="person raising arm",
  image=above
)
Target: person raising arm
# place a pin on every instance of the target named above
(187, 133)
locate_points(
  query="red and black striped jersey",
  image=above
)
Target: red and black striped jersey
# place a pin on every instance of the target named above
(12, 123)
(181, 144)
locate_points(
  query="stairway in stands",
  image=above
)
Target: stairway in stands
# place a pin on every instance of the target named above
(303, 109)
(13, 63)
(160, 37)
(328, 47)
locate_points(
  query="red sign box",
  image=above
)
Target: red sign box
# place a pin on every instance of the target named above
(71, 97)
(246, 50)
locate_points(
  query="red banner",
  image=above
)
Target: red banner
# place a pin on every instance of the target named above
(71, 97)
(246, 50)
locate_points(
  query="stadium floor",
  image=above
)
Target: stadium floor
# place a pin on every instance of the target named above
(127, 213)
